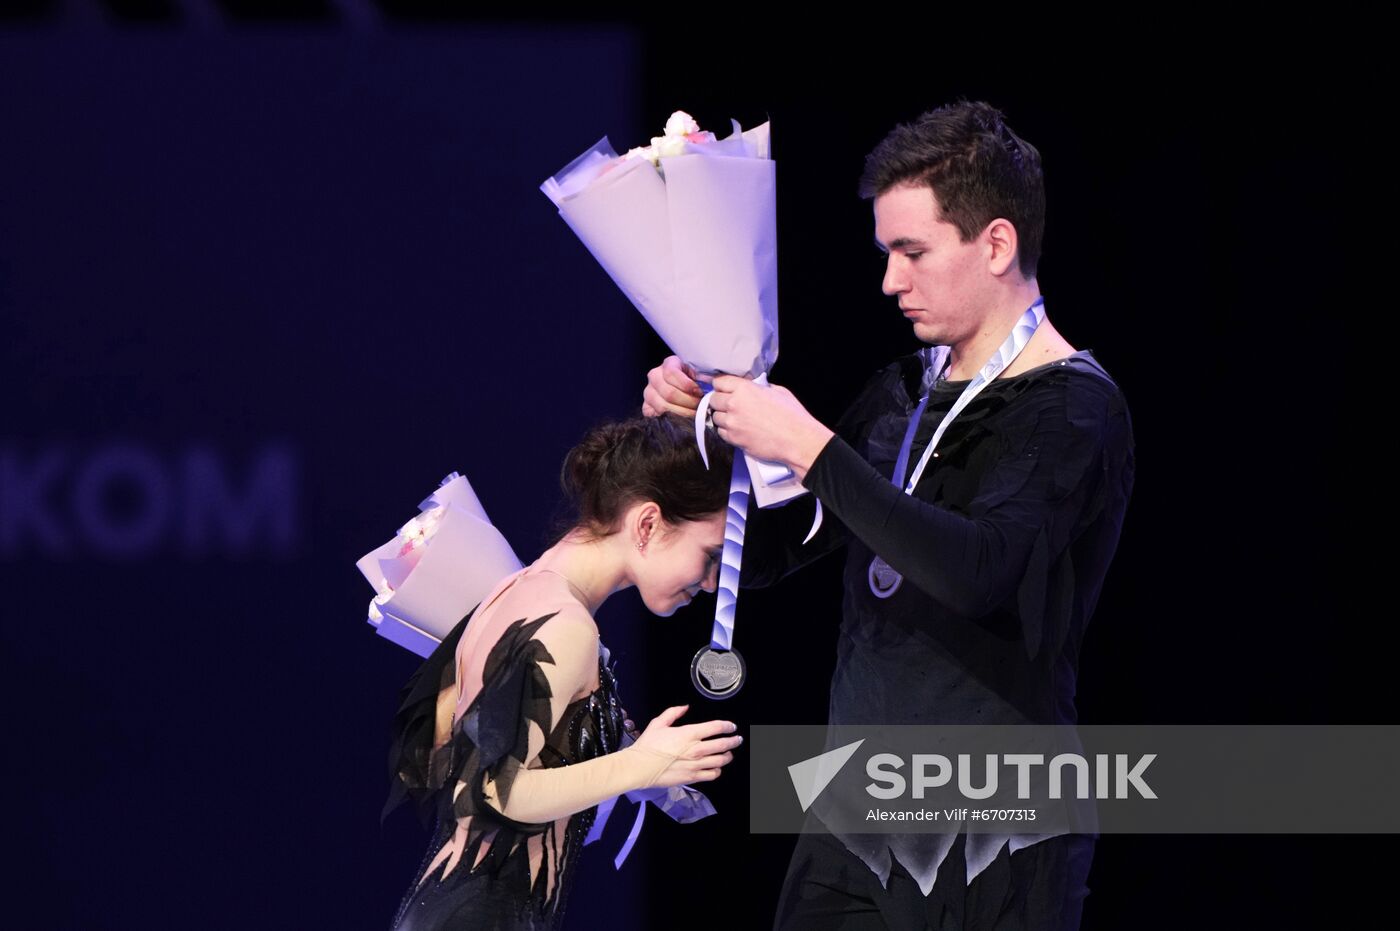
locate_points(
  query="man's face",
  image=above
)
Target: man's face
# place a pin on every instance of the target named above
(937, 279)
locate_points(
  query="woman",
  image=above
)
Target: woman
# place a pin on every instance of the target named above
(511, 733)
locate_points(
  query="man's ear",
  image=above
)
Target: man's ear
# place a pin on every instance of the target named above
(1001, 246)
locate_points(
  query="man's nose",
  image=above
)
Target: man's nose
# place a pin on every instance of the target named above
(894, 278)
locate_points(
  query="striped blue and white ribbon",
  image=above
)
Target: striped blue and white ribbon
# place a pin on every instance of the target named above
(736, 516)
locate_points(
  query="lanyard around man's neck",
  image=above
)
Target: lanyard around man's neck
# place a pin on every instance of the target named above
(1010, 348)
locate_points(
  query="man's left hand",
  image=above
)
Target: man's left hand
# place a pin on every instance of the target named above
(767, 422)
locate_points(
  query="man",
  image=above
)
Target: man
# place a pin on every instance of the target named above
(966, 596)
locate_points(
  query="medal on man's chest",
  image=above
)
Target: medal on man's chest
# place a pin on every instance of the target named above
(884, 581)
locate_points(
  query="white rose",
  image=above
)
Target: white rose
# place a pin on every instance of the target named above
(681, 124)
(672, 143)
(667, 146)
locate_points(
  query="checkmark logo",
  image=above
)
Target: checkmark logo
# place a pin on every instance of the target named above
(810, 777)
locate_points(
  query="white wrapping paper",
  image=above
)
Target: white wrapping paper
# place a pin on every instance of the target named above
(436, 569)
(694, 248)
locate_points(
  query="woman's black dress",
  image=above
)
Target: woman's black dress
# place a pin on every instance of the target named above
(492, 737)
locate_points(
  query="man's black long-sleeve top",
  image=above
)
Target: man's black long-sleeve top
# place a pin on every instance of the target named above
(1003, 545)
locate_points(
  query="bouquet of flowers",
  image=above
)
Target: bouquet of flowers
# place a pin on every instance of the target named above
(439, 565)
(687, 229)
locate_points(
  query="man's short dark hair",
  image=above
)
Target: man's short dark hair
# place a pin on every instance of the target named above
(977, 167)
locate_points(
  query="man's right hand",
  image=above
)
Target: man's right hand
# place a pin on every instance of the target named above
(672, 386)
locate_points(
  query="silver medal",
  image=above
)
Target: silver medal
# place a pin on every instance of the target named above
(717, 673)
(884, 581)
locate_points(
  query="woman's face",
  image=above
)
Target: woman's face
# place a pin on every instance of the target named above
(675, 566)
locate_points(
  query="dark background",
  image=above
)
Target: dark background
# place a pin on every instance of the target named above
(268, 272)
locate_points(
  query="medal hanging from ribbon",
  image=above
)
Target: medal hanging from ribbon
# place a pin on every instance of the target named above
(718, 670)
(884, 579)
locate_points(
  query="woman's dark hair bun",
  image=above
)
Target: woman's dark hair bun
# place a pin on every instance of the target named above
(620, 462)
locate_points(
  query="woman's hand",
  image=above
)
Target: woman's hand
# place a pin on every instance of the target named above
(671, 386)
(690, 752)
